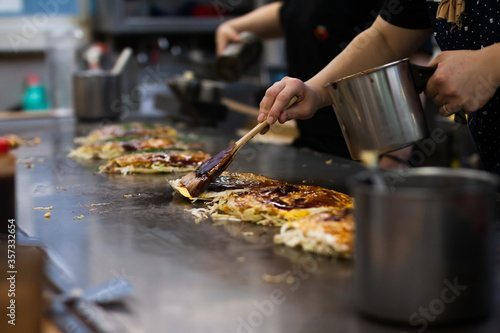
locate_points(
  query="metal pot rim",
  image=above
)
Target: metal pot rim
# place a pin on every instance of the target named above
(368, 71)
(95, 73)
(358, 181)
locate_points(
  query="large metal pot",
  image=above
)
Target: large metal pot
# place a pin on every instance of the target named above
(424, 246)
(379, 109)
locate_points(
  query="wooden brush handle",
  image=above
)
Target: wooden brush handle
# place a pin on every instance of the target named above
(247, 137)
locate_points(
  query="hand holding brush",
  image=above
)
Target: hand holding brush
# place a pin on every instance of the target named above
(196, 181)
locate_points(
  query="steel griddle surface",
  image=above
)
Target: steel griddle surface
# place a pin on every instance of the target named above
(188, 276)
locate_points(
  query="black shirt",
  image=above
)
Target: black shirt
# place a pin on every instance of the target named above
(316, 31)
(480, 28)
(410, 14)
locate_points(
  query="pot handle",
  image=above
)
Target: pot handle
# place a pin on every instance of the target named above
(420, 76)
(460, 117)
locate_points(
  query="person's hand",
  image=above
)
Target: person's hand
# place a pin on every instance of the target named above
(463, 80)
(273, 105)
(225, 35)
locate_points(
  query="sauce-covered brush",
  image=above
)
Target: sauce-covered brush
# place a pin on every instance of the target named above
(196, 181)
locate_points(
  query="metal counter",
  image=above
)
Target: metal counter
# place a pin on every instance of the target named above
(188, 276)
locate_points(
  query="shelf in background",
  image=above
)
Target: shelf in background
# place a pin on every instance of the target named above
(16, 115)
(158, 25)
(119, 17)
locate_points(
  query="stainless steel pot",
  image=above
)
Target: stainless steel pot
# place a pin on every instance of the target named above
(97, 95)
(379, 109)
(424, 247)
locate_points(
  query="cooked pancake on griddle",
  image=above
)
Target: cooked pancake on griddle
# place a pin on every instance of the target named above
(134, 129)
(227, 183)
(156, 161)
(113, 148)
(275, 205)
(315, 218)
(330, 232)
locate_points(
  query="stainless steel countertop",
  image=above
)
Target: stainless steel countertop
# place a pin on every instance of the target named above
(188, 276)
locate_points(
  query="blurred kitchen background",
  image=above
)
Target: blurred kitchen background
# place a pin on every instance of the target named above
(42, 42)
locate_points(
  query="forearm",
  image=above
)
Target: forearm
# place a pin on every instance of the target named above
(492, 56)
(264, 21)
(378, 45)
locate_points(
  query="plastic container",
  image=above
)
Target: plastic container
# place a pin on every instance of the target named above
(63, 44)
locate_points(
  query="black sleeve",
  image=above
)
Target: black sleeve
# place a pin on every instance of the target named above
(410, 14)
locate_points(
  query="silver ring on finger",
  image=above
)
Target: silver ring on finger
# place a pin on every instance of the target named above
(446, 112)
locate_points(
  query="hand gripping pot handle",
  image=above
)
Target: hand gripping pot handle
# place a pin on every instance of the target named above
(420, 76)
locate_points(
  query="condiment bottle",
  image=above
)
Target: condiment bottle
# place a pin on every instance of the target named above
(7, 186)
(34, 98)
(238, 57)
